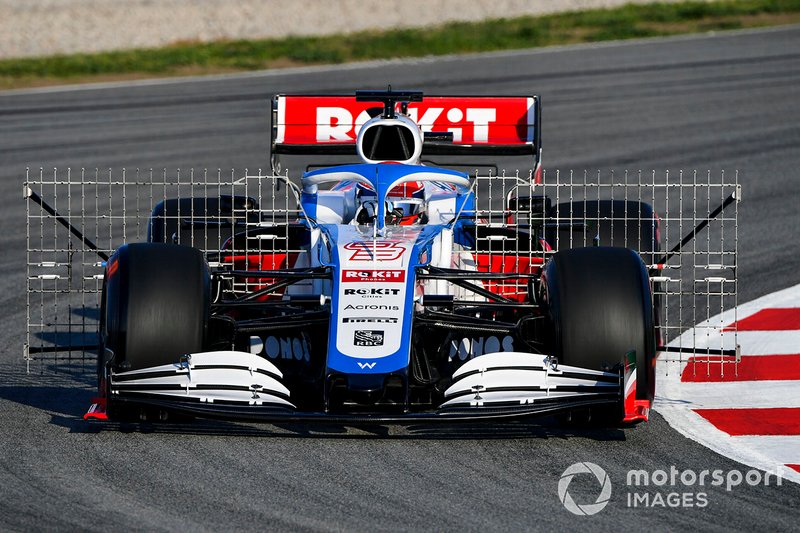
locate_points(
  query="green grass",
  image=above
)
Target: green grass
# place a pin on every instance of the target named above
(630, 21)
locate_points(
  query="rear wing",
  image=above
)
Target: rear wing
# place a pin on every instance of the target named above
(451, 125)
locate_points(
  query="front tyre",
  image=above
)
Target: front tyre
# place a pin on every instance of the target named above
(155, 307)
(600, 308)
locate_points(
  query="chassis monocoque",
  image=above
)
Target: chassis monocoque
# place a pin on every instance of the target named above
(392, 295)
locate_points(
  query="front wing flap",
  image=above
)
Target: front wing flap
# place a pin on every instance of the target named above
(516, 378)
(207, 377)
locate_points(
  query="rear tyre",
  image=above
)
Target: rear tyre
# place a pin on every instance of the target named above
(600, 308)
(156, 305)
(617, 223)
(201, 222)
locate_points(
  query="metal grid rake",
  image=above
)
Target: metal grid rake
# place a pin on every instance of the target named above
(695, 283)
(110, 208)
(693, 272)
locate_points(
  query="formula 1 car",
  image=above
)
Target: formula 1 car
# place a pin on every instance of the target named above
(393, 290)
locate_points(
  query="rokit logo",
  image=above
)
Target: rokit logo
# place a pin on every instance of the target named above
(338, 119)
(375, 250)
(368, 319)
(337, 124)
(385, 276)
(364, 337)
(371, 292)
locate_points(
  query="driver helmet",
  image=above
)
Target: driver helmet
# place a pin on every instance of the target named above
(368, 210)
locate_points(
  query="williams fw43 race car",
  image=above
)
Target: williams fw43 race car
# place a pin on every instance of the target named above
(389, 288)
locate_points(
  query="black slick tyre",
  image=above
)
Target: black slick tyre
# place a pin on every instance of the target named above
(599, 307)
(156, 305)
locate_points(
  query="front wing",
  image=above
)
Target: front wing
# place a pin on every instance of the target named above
(243, 386)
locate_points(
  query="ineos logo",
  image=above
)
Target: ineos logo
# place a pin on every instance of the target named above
(467, 348)
(281, 347)
(589, 508)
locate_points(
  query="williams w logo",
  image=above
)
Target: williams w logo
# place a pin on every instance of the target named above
(362, 366)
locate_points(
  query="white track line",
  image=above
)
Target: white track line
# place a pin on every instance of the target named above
(739, 394)
(752, 342)
(765, 453)
(783, 449)
(675, 400)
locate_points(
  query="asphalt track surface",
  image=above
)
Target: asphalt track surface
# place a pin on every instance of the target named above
(718, 102)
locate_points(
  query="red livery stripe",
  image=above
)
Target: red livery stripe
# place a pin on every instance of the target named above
(738, 422)
(794, 467)
(750, 368)
(778, 319)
